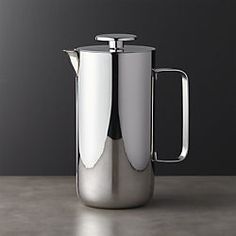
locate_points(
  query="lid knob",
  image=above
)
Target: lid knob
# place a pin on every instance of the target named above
(116, 40)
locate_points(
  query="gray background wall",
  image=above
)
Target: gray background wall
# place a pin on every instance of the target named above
(36, 80)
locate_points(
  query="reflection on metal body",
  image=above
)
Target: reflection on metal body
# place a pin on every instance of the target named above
(114, 103)
(114, 95)
(94, 97)
(113, 182)
(114, 122)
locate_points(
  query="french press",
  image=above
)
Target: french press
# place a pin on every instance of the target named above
(115, 92)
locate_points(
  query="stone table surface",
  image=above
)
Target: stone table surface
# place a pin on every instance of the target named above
(182, 205)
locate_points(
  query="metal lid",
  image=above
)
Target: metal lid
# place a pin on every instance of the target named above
(116, 40)
(116, 44)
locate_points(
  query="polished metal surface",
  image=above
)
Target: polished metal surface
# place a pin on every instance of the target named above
(135, 77)
(115, 37)
(185, 115)
(74, 59)
(113, 128)
(114, 99)
(116, 40)
(114, 122)
(113, 182)
(95, 104)
(106, 49)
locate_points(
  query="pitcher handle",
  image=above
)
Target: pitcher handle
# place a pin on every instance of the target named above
(185, 109)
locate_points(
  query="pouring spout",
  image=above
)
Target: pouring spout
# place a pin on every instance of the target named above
(74, 59)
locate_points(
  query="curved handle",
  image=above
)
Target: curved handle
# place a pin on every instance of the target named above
(185, 105)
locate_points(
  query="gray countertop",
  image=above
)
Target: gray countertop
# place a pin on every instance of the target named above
(182, 205)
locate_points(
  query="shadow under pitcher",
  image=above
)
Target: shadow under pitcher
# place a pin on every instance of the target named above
(115, 91)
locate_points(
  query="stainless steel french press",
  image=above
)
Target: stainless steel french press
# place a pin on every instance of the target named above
(115, 92)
